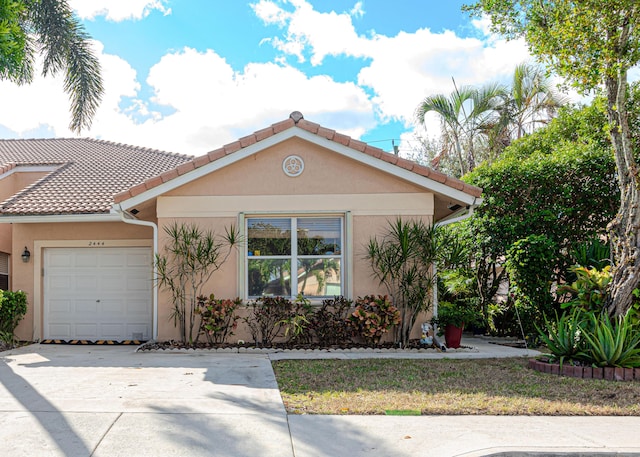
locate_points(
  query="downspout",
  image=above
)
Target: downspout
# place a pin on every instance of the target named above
(453, 220)
(133, 221)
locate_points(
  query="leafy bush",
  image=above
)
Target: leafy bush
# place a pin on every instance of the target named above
(267, 317)
(528, 264)
(589, 289)
(373, 317)
(330, 322)
(217, 317)
(456, 314)
(592, 254)
(13, 307)
(297, 325)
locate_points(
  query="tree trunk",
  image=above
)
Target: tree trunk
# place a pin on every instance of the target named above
(624, 230)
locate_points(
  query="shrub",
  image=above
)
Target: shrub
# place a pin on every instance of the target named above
(373, 317)
(13, 307)
(590, 288)
(456, 314)
(529, 264)
(218, 317)
(267, 317)
(297, 325)
(330, 322)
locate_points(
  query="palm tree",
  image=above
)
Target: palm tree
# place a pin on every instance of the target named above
(466, 115)
(531, 101)
(30, 27)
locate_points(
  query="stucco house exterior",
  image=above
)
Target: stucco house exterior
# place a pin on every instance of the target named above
(90, 214)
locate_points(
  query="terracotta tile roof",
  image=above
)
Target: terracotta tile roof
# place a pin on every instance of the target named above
(296, 120)
(88, 173)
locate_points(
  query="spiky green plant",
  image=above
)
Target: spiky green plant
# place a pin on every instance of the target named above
(564, 337)
(611, 342)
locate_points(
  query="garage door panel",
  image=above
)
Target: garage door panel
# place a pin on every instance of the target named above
(140, 284)
(83, 283)
(111, 331)
(59, 282)
(113, 282)
(85, 260)
(85, 331)
(60, 306)
(86, 306)
(139, 260)
(60, 331)
(98, 293)
(59, 259)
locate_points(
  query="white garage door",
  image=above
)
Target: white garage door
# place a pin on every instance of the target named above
(98, 293)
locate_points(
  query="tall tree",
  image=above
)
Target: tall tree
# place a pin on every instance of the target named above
(531, 101)
(466, 114)
(592, 43)
(48, 27)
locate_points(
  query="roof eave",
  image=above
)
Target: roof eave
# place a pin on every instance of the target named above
(297, 132)
(54, 218)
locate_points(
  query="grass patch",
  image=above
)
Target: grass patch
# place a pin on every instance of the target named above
(446, 387)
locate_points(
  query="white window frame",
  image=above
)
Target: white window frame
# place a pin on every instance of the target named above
(345, 252)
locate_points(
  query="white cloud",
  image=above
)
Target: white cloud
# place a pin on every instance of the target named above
(402, 69)
(118, 10)
(326, 34)
(215, 105)
(200, 102)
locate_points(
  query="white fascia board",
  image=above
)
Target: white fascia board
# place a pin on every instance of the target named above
(206, 169)
(54, 218)
(297, 132)
(389, 168)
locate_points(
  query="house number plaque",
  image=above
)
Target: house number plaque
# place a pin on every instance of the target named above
(96, 243)
(293, 166)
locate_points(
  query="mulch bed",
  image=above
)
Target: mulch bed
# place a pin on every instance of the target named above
(165, 345)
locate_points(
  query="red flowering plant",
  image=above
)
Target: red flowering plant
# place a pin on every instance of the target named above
(218, 319)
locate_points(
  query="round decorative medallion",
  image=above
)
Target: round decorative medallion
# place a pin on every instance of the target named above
(293, 166)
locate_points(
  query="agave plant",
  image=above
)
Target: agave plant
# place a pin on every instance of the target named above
(612, 342)
(564, 337)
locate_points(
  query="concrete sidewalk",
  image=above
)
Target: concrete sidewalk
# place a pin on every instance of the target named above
(112, 401)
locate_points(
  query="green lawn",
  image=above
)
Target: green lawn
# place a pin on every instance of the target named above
(445, 386)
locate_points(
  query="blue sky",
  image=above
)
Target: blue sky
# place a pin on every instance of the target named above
(190, 76)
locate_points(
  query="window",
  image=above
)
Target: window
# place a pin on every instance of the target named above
(310, 246)
(4, 271)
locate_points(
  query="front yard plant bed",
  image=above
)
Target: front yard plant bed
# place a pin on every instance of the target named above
(414, 345)
(446, 387)
(584, 372)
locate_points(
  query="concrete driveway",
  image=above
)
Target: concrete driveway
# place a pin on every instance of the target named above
(80, 401)
(111, 401)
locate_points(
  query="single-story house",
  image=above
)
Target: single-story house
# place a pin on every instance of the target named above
(80, 220)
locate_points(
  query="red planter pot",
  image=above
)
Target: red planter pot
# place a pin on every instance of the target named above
(453, 336)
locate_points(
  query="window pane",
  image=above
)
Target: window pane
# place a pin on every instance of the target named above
(269, 237)
(319, 277)
(269, 277)
(319, 236)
